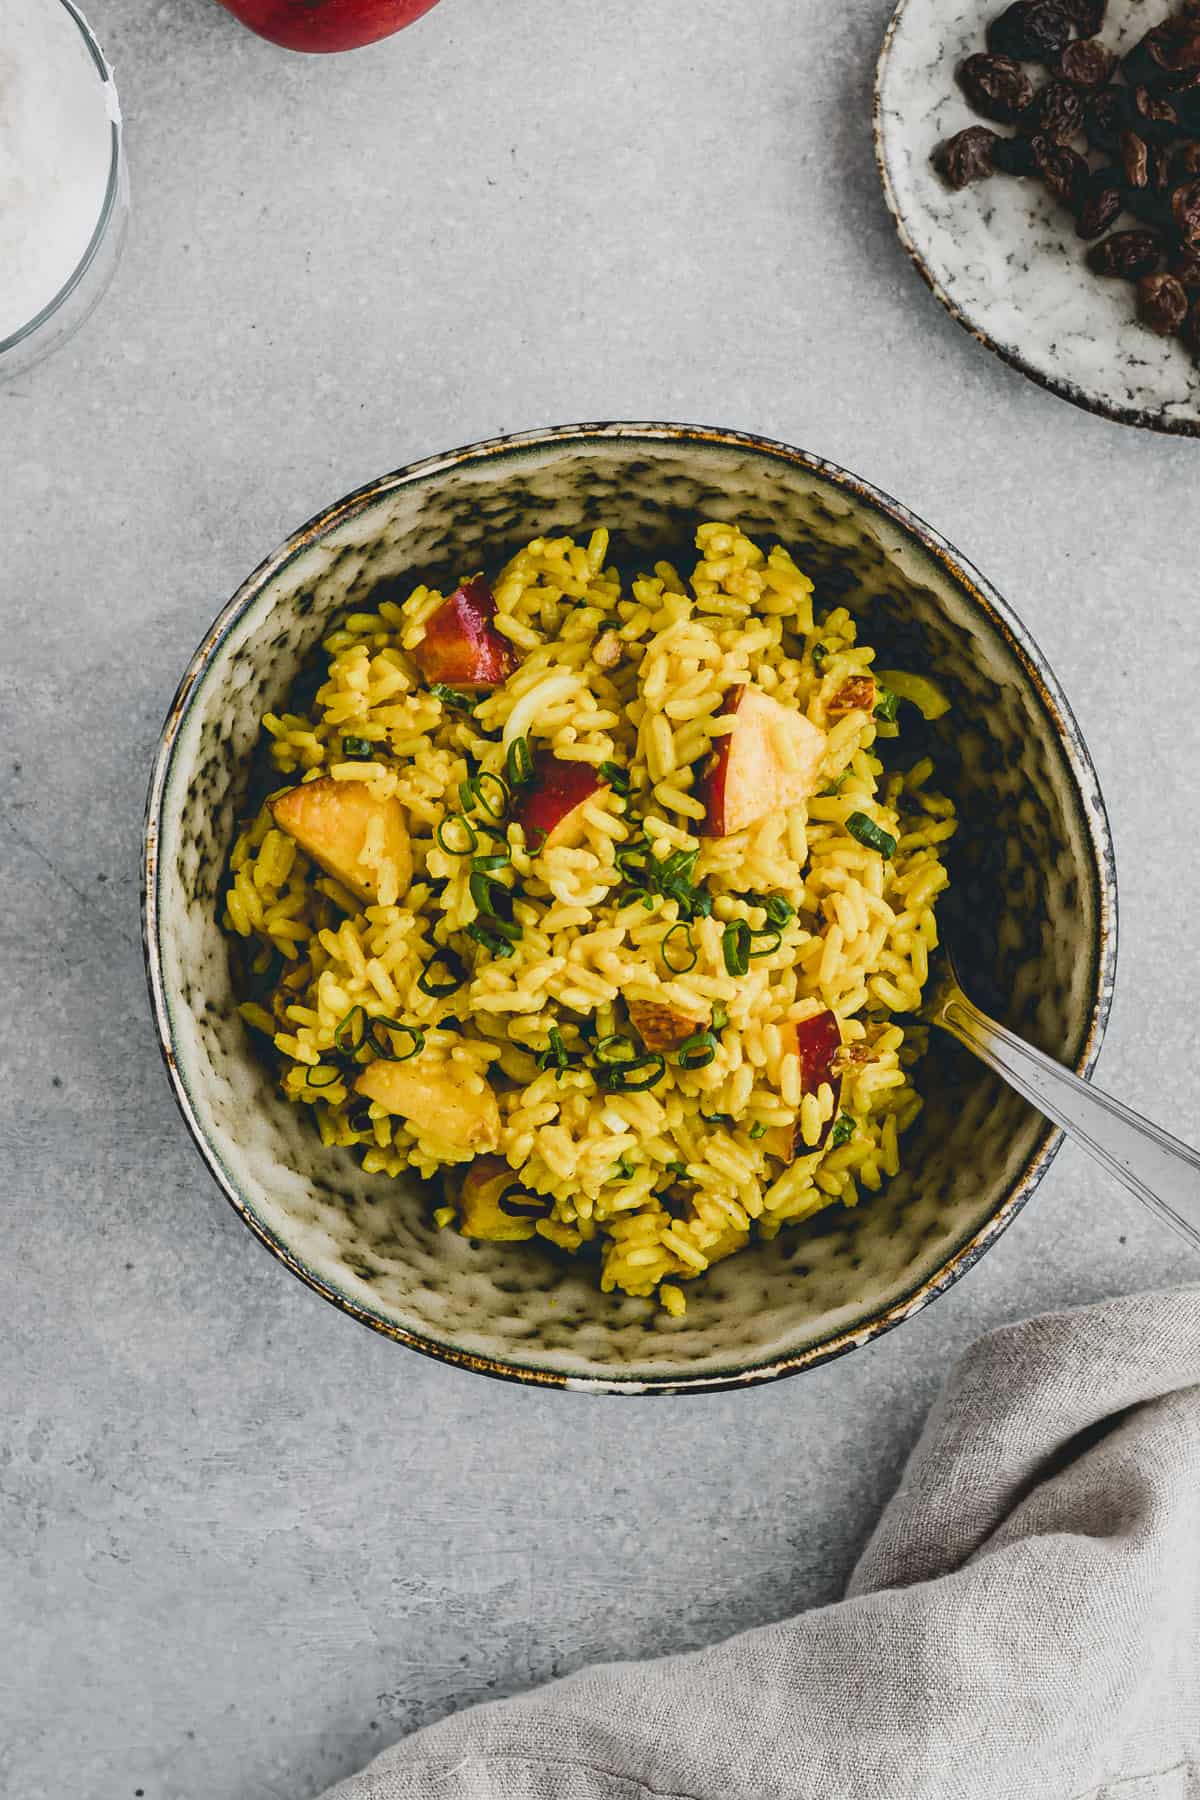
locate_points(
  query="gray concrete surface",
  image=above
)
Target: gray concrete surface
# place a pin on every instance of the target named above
(244, 1543)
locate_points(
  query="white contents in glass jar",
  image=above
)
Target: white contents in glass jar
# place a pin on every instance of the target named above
(55, 155)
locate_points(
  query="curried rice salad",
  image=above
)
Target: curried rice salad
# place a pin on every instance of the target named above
(595, 900)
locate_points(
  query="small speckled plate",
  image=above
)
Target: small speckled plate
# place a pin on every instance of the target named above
(1032, 876)
(1001, 255)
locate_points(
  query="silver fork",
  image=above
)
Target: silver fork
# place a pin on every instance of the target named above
(1161, 1171)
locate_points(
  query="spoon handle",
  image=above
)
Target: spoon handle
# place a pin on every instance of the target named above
(1162, 1172)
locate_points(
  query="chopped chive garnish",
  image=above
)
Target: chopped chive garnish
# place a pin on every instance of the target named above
(522, 1203)
(758, 1129)
(887, 704)
(873, 836)
(356, 749)
(765, 949)
(634, 1076)
(486, 790)
(842, 1132)
(452, 698)
(697, 1051)
(491, 939)
(518, 762)
(677, 949)
(455, 976)
(465, 831)
(348, 1033)
(720, 1018)
(735, 946)
(616, 777)
(379, 1034)
(614, 1048)
(555, 1056)
(321, 1075)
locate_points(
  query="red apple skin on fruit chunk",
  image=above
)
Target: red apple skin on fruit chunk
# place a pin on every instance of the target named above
(321, 26)
(551, 799)
(461, 647)
(817, 1042)
(770, 759)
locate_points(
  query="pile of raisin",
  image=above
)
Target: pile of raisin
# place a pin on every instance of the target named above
(1105, 138)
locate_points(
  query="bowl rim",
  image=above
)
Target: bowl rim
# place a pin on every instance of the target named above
(1143, 418)
(999, 616)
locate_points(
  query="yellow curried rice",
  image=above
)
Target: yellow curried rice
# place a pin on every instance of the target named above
(665, 1166)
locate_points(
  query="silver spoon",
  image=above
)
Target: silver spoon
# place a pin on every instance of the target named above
(1160, 1170)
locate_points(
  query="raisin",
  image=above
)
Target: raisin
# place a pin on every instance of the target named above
(966, 157)
(1014, 156)
(1056, 112)
(1185, 210)
(1086, 15)
(1159, 174)
(1135, 159)
(1127, 254)
(1062, 169)
(1087, 63)
(1185, 266)
(1030, 31)
(1185, 163)
(1154, 116)
(996, 87)
(1099, 202)
(1103, 118)
(1162, 304)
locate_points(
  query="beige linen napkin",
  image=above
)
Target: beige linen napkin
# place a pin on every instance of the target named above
(1025, 1621)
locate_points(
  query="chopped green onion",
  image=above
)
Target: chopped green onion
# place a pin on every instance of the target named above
(436, 989)
(518, 763)
(356, 749)
(491, 939)
(720, 1018)
(843, 1131)
(735, 946)
(533, 1206)
(555, 1055)
(624, 1169)
(758, 1129)
(379, 1033)
(488, 865)
(607, 1048)
(768, 931)
(676, 1168)
(348, 1033)
(697, 1051)
(619, 1077)
(467, 830)
(471, 793)
(682, 956)
(887, 704)
(835, 787)
(321, 1075)
(499, 832)
(617, 778)
(780, 910)
(868, 833)
(481, 885)
(819, 653)
(452, 698)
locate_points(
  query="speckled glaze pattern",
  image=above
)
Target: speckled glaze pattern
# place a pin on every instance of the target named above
(1001, 255)
(1034, 890)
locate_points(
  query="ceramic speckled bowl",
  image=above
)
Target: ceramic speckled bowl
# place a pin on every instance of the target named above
(1032, 868)
(1001, 255)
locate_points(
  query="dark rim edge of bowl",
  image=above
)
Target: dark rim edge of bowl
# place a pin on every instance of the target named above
(1089, 805)
(1142, 418)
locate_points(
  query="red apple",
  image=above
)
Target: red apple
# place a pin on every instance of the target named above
(747, 775)
(321, 25)
(549, 801)
(461, 648)
(817, 1042)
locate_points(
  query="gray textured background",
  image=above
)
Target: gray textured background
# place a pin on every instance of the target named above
(243, 1542)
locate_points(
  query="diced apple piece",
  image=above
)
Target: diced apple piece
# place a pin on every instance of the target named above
(550, 800)
(817, 1042)
(330, 820)
(479, 1203)
(662, 1024)
(438, 1100)
(771, 759)
(461, 647)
